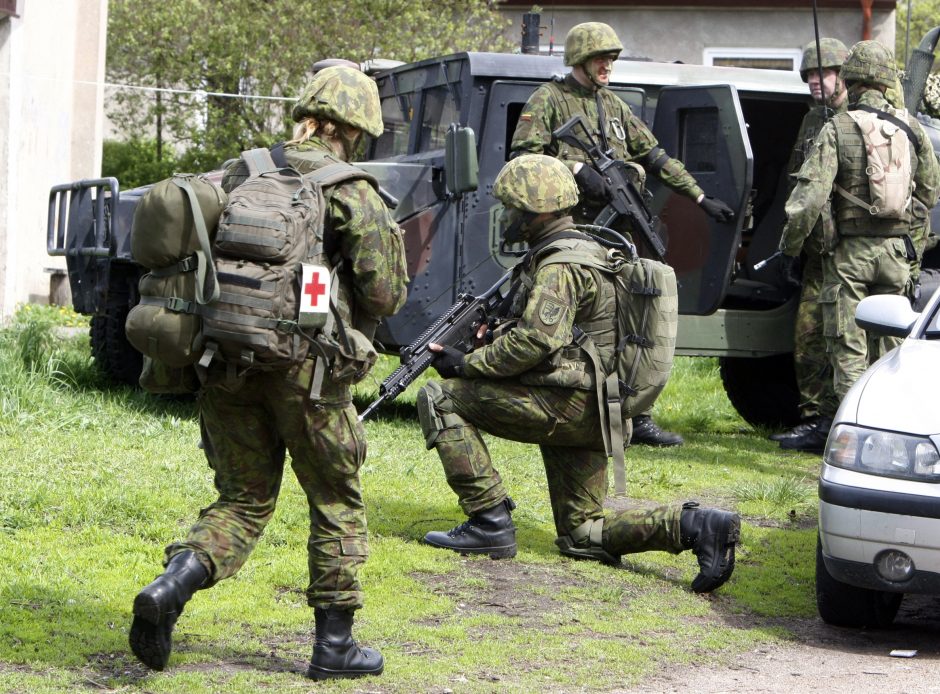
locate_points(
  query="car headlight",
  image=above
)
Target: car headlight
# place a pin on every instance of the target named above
(883, 453)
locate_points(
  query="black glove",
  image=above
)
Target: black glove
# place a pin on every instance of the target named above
(717, 210)
(792, 270)
(591, 183)
(449, 362)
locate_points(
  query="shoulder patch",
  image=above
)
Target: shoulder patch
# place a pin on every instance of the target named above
(525, 117)
(550, 312)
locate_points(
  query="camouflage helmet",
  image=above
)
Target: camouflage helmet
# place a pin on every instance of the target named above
(536, 183)
(833, 55)
(586, 40)
(871, 62)
(344, 95)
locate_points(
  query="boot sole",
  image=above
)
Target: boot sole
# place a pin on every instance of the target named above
(319, 673)
(507, 552)
(144, 644)
(148, 608)
(732, 537)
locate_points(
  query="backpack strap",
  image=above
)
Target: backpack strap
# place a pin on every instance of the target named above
(259, 161)
(207, 285)
(891, 118)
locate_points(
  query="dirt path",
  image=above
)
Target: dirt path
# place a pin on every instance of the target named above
(827, 659)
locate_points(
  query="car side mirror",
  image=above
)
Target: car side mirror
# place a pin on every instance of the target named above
(886, 314)
(460, 160)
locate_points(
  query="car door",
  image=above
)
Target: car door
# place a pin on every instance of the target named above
(704, 128)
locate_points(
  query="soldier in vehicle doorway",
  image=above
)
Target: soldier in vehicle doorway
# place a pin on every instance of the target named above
(590, 50)
(877, 164)
(813, 370)
(535, 383)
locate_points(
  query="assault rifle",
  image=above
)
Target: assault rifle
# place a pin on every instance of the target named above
(625, 199)
(456, 328)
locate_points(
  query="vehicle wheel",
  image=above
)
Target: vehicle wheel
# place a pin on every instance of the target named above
(113, 354)
(762, 389)
(843, 605)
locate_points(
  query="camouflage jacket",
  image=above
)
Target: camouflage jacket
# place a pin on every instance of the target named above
(358, 227)
(552, 104)
(822, 168)
(539, 348)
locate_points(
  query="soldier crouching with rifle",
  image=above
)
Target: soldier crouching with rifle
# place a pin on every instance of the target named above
(590, 49)
(536, 382)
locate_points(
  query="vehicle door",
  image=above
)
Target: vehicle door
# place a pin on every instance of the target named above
(704, 128)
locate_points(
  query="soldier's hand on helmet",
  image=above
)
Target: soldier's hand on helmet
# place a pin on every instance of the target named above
(591, 183)
(716, 209)
(448, 361)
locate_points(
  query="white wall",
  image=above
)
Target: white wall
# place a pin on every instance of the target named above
(51, 119)
(683, 33)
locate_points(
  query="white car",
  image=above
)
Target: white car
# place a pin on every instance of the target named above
(879, 488)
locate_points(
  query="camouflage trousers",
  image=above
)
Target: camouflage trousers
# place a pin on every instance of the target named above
(566, 426)
(859, 266)
(810, 360)
(245, 434)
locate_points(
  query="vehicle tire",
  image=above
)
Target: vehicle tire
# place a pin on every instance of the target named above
(844, 605)
(762, 389)
(113, 354)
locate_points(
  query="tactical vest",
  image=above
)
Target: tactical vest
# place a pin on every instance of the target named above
(571, 103)
(852, 219)
(570, 366)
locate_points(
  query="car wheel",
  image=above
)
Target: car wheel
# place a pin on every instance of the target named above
(844, 605)
(762, 389)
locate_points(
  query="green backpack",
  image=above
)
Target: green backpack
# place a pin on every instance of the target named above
(267, 292)
(647, 321)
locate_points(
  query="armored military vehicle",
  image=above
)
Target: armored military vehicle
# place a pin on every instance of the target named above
(448, 125)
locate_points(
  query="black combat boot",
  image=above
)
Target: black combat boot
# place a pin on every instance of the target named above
(811, 441)
(490, 531)
(800, 429)
(711, 535)
(336, 655)
(159, 605)
(646, 432)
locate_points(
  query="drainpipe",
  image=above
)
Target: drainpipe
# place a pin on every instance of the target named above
(866, 18)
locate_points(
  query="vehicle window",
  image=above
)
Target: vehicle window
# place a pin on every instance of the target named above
(438, 112)
(397, 112)
(636, 100)
(698, 139)
(932, 331)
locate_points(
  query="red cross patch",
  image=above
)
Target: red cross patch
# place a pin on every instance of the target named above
(315, 289)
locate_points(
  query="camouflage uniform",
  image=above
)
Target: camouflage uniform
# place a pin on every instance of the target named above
(811, 363)
(245, 433)
(496, 395)
(535, 383)
(554, 103)
(870, 256)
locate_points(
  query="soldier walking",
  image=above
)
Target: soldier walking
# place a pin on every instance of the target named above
(522, 387)
(246, 428)
(590, 50)
(873, 250)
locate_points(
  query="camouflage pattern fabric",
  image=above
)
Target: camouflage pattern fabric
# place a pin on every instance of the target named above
(859, 267)
(586, 40)
(536, 183)
(343, 95)
(870, 62)
(868, 258)
(833, 55)
(811, 362)
(246, 429)
(563, 421)
(553, 103)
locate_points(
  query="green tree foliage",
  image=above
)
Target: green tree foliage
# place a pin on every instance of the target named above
(261, 48)
(925, 15)
(135, 162)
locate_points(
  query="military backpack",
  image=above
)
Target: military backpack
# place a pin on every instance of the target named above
(255, 289)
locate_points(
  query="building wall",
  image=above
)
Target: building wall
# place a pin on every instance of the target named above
(51, 119)
(684, 34)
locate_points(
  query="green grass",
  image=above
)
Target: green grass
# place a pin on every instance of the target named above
(98, 479)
